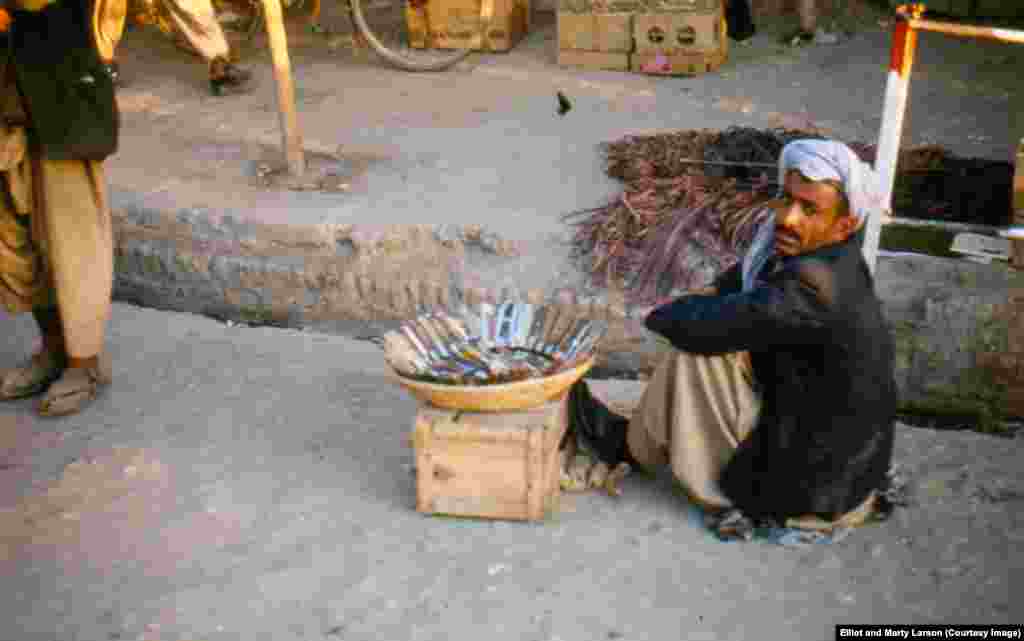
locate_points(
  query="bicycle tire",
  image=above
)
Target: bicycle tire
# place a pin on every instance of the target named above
(396, 59)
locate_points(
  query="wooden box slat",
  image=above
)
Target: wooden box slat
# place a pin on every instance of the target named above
(455, 24)
(596, 60)
(489, 465)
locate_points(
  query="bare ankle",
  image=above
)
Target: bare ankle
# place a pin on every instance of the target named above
(83, 363)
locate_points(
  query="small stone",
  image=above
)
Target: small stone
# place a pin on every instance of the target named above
(655, 527)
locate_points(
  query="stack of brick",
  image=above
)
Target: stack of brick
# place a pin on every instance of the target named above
(670, 37)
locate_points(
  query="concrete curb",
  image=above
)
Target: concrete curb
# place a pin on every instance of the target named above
(959, 326)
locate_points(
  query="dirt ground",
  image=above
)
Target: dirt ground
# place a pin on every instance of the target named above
(490, 124)
(238, 484)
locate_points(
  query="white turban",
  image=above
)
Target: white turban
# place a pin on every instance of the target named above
(817, 160)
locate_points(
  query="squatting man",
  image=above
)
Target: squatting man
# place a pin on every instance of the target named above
(777, 398)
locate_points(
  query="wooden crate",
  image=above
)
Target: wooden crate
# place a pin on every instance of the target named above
(455, 24)
(598, 60)
(607, 32)
(679, 33)
(1017, 246)
(595, 40)
(489, 465)
(682, 62)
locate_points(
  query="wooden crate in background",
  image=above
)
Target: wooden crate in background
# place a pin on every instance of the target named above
(678, 52)
(595, 40)
(455, 24)
(611, 32)
(489, 465)
(678, 33)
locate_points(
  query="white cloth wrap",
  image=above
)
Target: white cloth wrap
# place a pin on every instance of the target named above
(817, 160)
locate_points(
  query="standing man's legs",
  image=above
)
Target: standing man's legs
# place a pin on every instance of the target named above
(196, 21)
(808, 12)
(56, 259)
(108, 17)
(72, 214)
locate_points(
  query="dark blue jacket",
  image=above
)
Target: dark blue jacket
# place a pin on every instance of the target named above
(822, 356)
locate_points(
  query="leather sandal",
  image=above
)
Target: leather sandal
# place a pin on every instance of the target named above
(76, 388)
(227, 79)
(32, 377)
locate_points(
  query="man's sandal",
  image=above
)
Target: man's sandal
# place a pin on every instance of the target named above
(32, 377)
(76, 388)
(797, 38)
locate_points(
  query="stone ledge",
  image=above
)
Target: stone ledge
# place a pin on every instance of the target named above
(958, 325)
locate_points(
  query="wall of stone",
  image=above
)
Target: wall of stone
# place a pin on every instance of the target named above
(959, 325)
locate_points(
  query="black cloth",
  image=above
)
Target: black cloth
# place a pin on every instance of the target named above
(822, 356)
(67, 91)
(601, 429)
(739, 20)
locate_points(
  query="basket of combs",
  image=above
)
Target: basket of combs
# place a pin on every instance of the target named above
(503, 357)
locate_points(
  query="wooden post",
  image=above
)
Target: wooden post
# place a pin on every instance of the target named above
(291, 139)
(897, 89)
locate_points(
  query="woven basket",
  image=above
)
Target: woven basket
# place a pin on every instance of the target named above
(504, 397)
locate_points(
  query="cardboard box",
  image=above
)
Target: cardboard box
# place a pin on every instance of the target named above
(596, 60)
(455, 24)
(678, 33)
(678, 64)
(609, 32)
(682, 63)
(489, 465)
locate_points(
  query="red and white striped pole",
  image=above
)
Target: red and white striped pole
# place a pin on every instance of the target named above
(897, 89)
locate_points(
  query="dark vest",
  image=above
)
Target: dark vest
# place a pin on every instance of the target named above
(66, 90)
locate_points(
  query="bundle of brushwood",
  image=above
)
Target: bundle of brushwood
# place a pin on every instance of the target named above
(693, 200)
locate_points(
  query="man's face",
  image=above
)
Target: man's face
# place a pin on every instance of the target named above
(810, 215)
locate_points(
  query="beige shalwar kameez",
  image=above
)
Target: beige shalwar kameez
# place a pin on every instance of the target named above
(56, 238)
(694, 413)
(194, 21)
